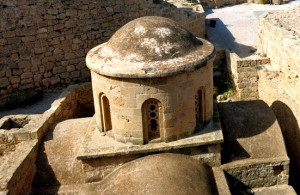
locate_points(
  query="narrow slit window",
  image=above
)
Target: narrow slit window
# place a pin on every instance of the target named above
(105, 113)
(200, 107)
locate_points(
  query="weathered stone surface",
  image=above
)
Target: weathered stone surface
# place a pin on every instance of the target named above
(167, 49)
(279, 84)
(100, 146)
(4, 82)
(18, 167)
(276, 190)
(178, 169)
(246, 138)
(254, 152)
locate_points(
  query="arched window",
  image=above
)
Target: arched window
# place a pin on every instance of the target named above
(152, 119)
(200, 107)
(105, 112)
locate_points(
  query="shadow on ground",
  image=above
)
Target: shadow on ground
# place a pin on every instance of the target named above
(225, 39)
(45, 176)
(250, 129)
(291, 133)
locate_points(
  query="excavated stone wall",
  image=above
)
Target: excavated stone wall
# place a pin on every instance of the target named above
(43, 43)
(18, 169)
(19, 145)
(254, 175)
(279, 39)
(244, 74)
(279, 83)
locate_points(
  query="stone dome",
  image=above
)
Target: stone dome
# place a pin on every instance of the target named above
(150, 47)
(160, 174)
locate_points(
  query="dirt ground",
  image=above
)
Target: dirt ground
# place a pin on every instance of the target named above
(37, 108)
(236, 26)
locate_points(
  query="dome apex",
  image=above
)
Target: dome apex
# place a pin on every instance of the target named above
(149, 47)
(151, 39)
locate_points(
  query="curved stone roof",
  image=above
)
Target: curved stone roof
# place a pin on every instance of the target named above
(150, 47)
(159, 174)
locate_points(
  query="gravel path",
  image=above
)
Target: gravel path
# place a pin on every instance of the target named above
(236, 26)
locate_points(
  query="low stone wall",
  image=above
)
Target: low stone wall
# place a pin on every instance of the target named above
(18, 170)
(43, 44)
(20, 145)
(250, 174)
(75, 101)
(221, 181)
(279, 39)
(279, 83)
(98, 168)
(287, 111)
(244, 74)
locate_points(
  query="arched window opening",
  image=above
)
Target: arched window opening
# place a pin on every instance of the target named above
(200, 107)
(152, 119)
(105, 113)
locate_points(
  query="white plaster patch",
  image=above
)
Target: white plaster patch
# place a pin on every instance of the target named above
(134, 57)
(156, 47)
(162, 32)
(139, 29)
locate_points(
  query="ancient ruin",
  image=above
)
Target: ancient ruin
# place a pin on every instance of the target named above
(146, 72)
(149, 97)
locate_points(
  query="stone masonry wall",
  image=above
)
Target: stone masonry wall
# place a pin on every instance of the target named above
(279, 39)
(279, 83)
(257, 175)
(244, 74)
(43, 43)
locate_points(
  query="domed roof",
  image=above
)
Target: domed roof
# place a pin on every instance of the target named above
(159, 174)
(150, 47)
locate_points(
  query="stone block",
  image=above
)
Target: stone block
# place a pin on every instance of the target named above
(54, 80)
(71, 12)
(40, 50)
(64, 75)
(69, 56)
(26, 75)
(70, 68)
(24, 64)
(26, 86)
(14, 80)
(8, 34)
(26, 81)
(52, 11)
(37, 77)
(17, 72)
(4, 82)
(46, 82)
(58, 69)
(75, 74)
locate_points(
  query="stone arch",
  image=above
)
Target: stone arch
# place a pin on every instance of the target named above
(200, 107)
(152, 113)
(105, 112)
